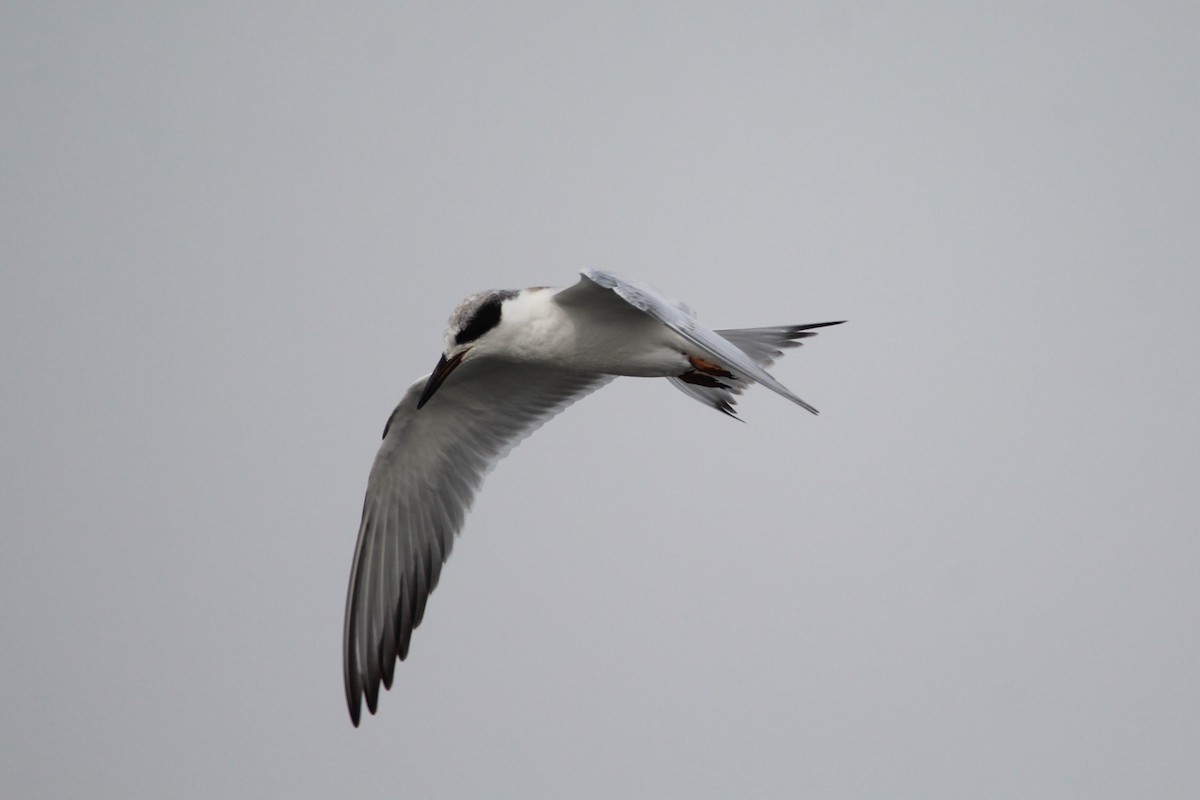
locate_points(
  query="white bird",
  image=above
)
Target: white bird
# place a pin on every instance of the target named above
(512, 360)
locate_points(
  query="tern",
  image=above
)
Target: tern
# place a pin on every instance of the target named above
(512, 360)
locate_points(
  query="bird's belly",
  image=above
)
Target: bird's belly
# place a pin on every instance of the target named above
(631, 344)
(656, 353)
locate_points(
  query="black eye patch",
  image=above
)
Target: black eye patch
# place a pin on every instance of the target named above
(486, 317)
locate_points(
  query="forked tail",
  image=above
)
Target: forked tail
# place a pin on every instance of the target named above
(763, 346)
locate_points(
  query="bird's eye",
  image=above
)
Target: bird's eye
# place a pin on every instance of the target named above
(486, 317)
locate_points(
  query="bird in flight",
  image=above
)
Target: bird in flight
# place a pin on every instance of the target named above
(512, 360)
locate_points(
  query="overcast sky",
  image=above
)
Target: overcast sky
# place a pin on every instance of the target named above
(232, 236)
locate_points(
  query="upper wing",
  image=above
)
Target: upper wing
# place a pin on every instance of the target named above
(682, 321)
(424, 478)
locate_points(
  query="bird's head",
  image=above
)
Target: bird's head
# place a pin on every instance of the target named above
(467, 333)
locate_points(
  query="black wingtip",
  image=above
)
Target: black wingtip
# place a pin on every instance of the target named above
(354, 704)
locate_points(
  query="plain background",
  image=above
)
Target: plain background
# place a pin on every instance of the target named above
(232, 234)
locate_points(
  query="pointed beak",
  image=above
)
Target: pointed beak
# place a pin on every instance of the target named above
(442, 371)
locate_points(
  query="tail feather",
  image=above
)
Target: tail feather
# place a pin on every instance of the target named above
(764, 346)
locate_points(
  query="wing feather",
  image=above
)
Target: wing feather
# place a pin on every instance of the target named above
(423, 480)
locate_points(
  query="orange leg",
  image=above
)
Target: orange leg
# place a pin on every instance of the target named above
(709, 368)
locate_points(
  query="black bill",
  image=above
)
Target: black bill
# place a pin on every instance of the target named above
(442, 371)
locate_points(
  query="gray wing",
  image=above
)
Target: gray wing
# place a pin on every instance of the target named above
(680, 319)
(425, 476)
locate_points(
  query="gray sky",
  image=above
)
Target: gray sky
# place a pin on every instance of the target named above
(232, 237)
